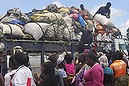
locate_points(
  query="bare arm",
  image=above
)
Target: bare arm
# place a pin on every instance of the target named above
(1, 81)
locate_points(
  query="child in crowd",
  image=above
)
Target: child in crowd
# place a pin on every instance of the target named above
(69, 68)
(60, 67)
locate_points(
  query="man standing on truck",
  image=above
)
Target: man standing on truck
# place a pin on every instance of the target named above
(104, 10)
(85, 12)
(87, 16)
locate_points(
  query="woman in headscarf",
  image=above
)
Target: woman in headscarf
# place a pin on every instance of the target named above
(108, 72)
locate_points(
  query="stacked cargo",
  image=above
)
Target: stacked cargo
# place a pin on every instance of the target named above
(54, 23)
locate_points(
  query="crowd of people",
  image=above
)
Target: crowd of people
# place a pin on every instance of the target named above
(87, 69)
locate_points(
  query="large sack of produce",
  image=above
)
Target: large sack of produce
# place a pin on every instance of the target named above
(103, 20)
(43, 11)
(70, 34)
(15, 14)
(47, 17)
(64, 14)
(89, 25)
(99, 27)
(7, 19)
(51, 18)
(103, 37)
(106, 37)
(36, 17)
(101, 32)
(52, 8)
(63, 9)
(99, 37)
(115, 32)
(12, 29)
(67, 33)
(37, 30)
(55, 32)
(68, 21)
(50, 32)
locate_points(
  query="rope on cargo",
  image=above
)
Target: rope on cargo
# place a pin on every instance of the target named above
(11, 31)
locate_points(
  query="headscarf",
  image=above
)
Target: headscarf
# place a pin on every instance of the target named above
(103, 61)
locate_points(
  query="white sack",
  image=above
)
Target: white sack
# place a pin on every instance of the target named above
(35, 30)
(16, 30)
(103, 20)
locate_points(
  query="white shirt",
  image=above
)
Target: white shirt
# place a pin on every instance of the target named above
(7, 77)
(21, 76)
(63, 73)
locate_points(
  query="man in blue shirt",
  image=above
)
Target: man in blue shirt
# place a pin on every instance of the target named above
(104, 10)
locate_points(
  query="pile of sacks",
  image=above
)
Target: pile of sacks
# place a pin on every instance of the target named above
(52, 22)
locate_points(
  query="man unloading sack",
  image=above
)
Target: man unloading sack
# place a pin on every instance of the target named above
(104, 10)
(102, 16)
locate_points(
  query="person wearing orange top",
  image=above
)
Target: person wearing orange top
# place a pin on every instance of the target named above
(119, 68)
